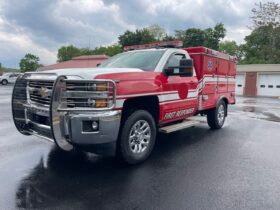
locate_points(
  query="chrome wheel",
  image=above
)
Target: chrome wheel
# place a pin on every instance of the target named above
(139, 136)
(221, 114)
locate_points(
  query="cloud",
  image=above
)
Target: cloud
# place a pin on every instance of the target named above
(42, 26)
(15, 43)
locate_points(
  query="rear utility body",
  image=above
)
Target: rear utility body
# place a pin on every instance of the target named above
(121, 105)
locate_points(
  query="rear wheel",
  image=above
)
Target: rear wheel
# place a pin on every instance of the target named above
(4, 82)
(216, 117)
(137, 137)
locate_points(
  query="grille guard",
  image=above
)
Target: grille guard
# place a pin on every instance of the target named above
(57, 118)
(21, 104)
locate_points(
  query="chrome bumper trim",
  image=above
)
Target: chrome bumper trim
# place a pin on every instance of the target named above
(109, 124)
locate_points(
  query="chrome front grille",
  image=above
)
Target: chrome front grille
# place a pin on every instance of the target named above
(40, 92)
(75, 94)
(88, 95)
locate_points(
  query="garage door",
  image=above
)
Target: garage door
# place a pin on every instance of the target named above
(268, 85)
(240, 81)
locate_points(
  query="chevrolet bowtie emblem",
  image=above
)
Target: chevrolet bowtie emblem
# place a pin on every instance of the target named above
(43, 92)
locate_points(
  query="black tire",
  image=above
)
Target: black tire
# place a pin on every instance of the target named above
(215, 119)
(134, 155)
(4, 82)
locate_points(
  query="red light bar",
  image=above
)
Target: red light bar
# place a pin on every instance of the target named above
(171, 44)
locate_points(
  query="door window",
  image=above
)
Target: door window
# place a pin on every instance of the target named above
(174, 60)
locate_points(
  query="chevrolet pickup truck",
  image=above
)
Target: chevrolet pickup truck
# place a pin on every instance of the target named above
(119, 107)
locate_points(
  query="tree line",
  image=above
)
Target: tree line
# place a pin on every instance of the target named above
(209, 37)
(262, 45)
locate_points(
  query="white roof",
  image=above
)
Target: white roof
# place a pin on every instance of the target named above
(258, 68)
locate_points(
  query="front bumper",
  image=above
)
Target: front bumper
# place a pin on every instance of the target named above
(108, 121)
(71, 129)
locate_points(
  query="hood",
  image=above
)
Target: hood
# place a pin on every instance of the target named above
(90, 73)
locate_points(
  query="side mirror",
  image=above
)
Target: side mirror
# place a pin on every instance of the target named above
(184, 70)
(98, 64)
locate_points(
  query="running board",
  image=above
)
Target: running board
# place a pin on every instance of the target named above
(178, 126)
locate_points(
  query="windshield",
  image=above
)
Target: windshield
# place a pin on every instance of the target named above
(145, 60)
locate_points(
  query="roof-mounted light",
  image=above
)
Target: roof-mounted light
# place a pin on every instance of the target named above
(163, 44)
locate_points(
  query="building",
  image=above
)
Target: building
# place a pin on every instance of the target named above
(258, 80)
(84, 61)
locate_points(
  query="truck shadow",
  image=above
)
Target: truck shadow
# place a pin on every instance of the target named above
(84, 181)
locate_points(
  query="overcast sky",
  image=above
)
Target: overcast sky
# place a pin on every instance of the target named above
(42, 26)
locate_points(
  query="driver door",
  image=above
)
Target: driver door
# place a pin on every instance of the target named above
(182, 100)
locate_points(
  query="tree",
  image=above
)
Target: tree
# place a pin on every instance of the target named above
(209, 37)
(214, 36)
(258, 48)
(263, 44)
(191, 37)
(140, 36)
(266, 14)
(231, 48)
(29, 63)
(66, 53)
(168, 38)
(107, 50)
(157, 32)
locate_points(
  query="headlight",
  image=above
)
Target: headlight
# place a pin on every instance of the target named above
(91, 102)
(97, 87)
(92, 87)
(88, 95)
(101, 87)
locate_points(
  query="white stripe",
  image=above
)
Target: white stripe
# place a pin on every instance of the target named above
(210, 79)
(168, 97)
(231, 79)
(188, 99)
(154, 93)
(192, 94)
(146, 94)
(222, 79)
(173, 97)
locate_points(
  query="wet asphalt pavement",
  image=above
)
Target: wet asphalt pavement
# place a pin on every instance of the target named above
(237, 167)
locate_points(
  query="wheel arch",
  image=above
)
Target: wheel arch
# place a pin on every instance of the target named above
(148, 103)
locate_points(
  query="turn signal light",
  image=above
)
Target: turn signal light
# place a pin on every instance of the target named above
(100, 103)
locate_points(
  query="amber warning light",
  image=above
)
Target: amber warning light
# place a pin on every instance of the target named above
(163, 44)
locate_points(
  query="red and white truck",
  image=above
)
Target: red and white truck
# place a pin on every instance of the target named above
(120, 106)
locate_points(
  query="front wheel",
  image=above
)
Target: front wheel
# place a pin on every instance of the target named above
(137, 137)
(217, 116)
